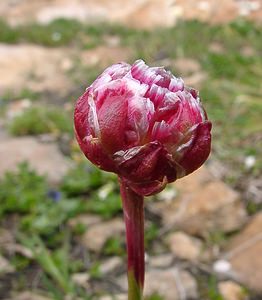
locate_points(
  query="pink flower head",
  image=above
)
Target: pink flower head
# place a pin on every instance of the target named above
(143, 124)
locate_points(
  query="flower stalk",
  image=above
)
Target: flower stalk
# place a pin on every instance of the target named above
(133, 208)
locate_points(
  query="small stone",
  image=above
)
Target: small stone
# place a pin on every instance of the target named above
(5, 266)
(104, 55)
(6, 238)
(168, 194)
(110, 265)
(9, 245)
(112, 40)
(81, 279)
(161, 261)
(218, 169)
(29, 296)
(98, 234)
(46, 159)
(171, 284)
(187, 66)
(66, 64)
(194, 181)
(250, 161)
(114, 297)
(184, 246)
(204, 204)
(46, 138)
(196, 79)
(216, 47)
(244, 254)
(84, 219)
(21, 66)
(22, 250)
(16, 108)
(204, 5)
(222, 267)
(231, 291)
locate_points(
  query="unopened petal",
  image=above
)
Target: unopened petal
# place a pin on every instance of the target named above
(199, 150)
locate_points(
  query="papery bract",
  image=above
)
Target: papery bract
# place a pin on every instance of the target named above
(143, 124)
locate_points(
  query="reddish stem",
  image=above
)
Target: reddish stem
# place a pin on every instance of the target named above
(133, 207)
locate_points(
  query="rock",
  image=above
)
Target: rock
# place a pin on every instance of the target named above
(204, 10)
(231, 291)
(105, 56)
(6, 238)
(171, 284)
(168, 194)
(218, 169)
(21, 66)
(28, 296)
(216, 47)
(161, 261)
(81, 279)
(244, 254)
(203, 205)
(17, 108)
(8, 244)
(222, 267)
(136, 13)
(253, 190)
(110, 265)
(184, 246)
(195, 80)
(5, 266)
(114, 297)
(194, 181)
(186, 66)
(98, 234)
(145, 14)
(84, 219)
(46, 159)
(22, 250)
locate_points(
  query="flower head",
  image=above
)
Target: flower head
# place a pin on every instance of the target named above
(143, 124)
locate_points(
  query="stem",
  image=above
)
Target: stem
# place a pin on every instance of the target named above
(133, 207)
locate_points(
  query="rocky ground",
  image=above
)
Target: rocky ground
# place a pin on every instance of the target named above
(61, 228)
(137, 13)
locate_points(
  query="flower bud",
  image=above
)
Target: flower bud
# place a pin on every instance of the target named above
(143, 124)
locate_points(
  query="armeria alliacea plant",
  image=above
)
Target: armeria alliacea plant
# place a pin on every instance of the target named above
(144, 125)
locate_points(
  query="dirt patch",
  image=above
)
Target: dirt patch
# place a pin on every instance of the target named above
(136, 13)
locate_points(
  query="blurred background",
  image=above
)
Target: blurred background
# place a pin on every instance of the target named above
(61, 228)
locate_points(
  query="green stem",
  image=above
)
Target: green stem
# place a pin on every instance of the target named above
(133, 207)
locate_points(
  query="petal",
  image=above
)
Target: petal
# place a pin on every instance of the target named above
(156, 94)
(118, 71)
(144, 74)
(160, 132)
(112, 117)
(170, 108)
(94, 151)
(148, 188)
(138, 69)
(190, 112)
(199, 149)
(176, 84)
(165, 76)
(80, 116)
(93, 118)
(140, 113)
(138, 163)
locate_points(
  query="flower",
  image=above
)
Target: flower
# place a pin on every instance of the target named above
(143, 124)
